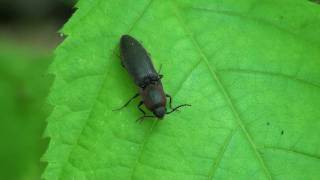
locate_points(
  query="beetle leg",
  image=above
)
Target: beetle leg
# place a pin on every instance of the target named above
(122, 64)
(160, 69)
(144, 113)
(126, 104)
(170, 100)
(160, 76)
(140, 119)
(139, 107)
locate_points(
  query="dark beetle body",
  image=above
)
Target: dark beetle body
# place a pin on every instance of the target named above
(138, 64)
(137, 61)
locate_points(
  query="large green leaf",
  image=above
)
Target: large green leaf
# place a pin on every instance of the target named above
(250, 69)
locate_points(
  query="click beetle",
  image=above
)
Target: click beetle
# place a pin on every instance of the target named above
(135, 59)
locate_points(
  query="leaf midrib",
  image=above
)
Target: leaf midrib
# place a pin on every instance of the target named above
(225, 94)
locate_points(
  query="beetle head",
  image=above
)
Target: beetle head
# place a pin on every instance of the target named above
(159, 112)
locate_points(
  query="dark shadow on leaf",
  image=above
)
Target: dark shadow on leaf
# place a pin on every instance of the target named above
(315, 1)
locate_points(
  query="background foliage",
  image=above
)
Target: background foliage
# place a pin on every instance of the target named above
(28, 35)
(24, 86)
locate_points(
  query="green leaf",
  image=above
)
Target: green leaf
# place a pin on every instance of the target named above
(250, 69)
(24, 86)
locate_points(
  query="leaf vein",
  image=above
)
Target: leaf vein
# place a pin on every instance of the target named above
(220, 155)
(272, 74)
(293, 151)
(84, 125)
(226, 95)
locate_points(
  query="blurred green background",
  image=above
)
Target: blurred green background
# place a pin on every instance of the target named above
(28, 37)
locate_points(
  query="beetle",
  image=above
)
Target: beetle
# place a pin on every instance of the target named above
(136, 60)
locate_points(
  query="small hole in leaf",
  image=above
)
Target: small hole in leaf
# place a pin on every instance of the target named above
(282, 132)
(268, 123)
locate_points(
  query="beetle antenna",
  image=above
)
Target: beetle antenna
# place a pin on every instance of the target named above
(140, 119)
(176, 108)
